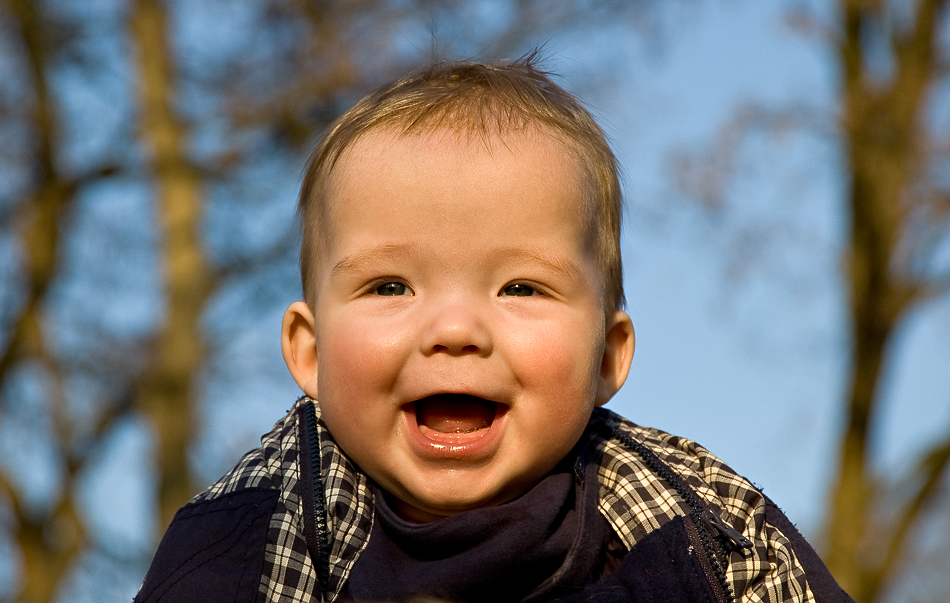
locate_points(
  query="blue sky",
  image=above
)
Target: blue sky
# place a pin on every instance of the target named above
(740, 340)
(746, 353)
(742, 352)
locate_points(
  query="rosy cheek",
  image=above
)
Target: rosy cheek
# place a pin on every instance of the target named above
(357, 361)
(345, 364)
(546, 356)
(346, 370)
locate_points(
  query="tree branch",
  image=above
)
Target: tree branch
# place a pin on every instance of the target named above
(105, 422)
(928, 474)
(706, 175)
(41, 242)
(915, 54)
(242, 266)
(937, 286)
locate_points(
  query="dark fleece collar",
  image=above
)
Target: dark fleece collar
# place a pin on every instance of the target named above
(547, 543)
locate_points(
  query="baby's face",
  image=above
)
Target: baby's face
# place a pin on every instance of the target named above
(459, 330)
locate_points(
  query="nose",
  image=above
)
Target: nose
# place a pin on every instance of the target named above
(456, 327)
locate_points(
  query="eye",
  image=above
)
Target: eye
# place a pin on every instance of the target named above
(518, 290)
(393, 288)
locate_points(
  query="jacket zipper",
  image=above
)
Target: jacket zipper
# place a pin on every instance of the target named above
(702, 525)
(319, 502)
(697, 543)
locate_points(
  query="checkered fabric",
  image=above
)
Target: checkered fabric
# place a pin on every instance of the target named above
(288, 573)
(633, 498)
(636, 502)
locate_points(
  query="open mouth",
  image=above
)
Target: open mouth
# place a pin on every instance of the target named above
(455, 413)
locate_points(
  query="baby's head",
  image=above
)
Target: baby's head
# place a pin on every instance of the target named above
(462, 283)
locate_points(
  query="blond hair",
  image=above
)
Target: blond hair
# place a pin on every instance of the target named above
(484, 99)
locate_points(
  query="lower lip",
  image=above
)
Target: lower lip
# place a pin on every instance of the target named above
(437, 445)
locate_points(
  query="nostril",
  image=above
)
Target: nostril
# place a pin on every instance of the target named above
(465, 349)
(472, 349)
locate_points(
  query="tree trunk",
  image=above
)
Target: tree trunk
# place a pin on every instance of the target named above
(882, 123)
(167, 390)
(49, 540)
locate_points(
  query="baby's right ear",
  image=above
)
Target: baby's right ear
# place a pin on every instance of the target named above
(298, 342)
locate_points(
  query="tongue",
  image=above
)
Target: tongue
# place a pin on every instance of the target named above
(455, 413)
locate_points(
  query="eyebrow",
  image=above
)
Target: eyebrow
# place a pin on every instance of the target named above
(353, 261)
(555, 263)
(397, 252)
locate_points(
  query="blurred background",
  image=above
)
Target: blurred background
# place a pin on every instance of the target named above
(787, 250)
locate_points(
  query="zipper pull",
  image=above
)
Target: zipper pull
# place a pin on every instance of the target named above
(715, 522)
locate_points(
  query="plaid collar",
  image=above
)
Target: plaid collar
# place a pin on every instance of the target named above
(633, 497)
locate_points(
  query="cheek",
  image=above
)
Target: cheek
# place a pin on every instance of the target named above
(558, 374)
(351, 362)
(558, 357)
(356, 368)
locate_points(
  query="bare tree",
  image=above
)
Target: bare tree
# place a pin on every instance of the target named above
(899, 214)
(166, 390)
(893, 60)
(49, 537)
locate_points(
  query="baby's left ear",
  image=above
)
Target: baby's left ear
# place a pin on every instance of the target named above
(618, 352)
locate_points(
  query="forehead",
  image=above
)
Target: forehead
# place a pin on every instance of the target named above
(444, 166)
(451, 198)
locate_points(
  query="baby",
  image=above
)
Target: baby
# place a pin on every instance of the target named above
(462, 324)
